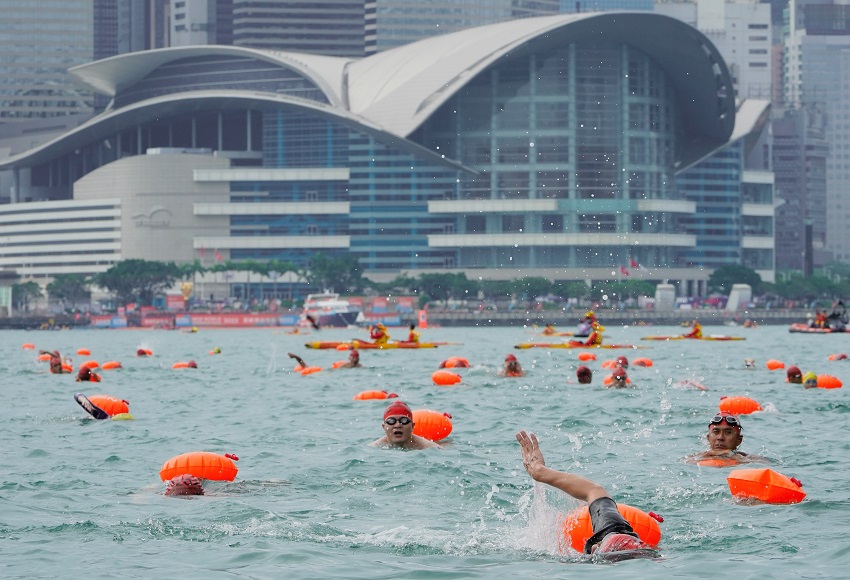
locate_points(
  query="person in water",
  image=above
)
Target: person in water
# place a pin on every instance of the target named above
(613, 537)
(725, 435)
(55, 361)
(511, 367)
(85, 375)
(794, 375)
(413, 336)
(398, 429)
(353, 360)
(622, 361)
(696, 331)
(810, 380)
(584, 375)
(185, 484)
(619, 379)
(379, 334)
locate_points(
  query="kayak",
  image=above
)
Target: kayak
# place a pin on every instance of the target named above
(682, 337)
(801, 327)
(564, 333)
(332, 344)
(571, 345)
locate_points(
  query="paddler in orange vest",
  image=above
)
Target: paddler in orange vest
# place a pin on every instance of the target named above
(413, 336)
(696, 331)
(595, 338)
(379, 334)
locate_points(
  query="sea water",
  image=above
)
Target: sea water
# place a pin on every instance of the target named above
(83, 498)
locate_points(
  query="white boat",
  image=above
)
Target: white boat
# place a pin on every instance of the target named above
(328, 309)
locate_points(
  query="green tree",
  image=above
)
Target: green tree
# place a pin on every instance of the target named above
(70, 289)
(532, 286)
(23, 293)
(445, 286)
(571, 289)
(342, 273)
(138, 280)
(722, 279)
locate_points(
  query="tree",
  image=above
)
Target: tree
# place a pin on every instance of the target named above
(445, 286)
(722, 279)
(532, 286)
(341, 273)
(23, 293)
(70, 289)
(138, 280)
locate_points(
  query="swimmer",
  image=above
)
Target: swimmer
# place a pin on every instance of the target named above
(511, 367)
(794, 375)
(141, 352)
(85, 375)
(724, 437)
(192, 364)
(459, 363)
(810, 380)
(622, 361)
(353, 360)
(619, 379)
(216, 350)
(584, 375)
(749, 363)
(55, 361)
(298, 359)
(398, 429)
(613, 538)
(184, 485)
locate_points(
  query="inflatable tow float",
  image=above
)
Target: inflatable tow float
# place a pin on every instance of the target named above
(201, 464)
(578, 528)
(765, 485)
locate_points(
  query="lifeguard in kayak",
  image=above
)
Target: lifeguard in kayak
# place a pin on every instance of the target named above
(696, 331)
(595, 338)
(413, 335)
(379, 334)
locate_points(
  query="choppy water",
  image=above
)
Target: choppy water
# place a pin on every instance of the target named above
(80, 497)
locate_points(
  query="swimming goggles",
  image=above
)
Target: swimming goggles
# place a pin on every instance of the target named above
(620, 377)
(400, 420)
(731, 420)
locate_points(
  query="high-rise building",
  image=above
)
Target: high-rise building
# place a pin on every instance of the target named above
(38, 47)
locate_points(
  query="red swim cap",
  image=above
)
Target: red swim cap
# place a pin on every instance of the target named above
(354, 353)
(398, 408)
(510, 358)
(620, 372)
(583, 371)
(794, 372)
(184, 485)
(622, 361)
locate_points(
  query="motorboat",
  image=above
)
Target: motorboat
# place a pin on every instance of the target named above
(328, 309)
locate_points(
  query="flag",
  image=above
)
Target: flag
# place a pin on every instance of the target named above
(218, 256)
(634, 264)
(624, 271)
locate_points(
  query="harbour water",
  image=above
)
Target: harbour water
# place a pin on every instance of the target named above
(83, 498)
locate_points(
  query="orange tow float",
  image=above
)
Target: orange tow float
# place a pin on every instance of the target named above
(203, 464)
(586, 356)
(112, 405)
(829, 382)
(578, 528)
(774, 365)
(765, 485)
(642, 362)
(445, 378)
(739, 405)
(28, 346)
(366, 395)
(83, 351)
(110, 365)
(431, 425)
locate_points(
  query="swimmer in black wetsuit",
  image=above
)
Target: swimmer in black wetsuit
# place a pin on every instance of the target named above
(613, 538)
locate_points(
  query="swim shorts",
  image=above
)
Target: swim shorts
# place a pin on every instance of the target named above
(606, 519)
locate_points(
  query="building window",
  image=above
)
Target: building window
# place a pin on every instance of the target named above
(552, 223)
(602, 223)
(476, 224)
(513, 223)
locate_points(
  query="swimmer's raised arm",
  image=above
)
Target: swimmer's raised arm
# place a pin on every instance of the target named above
(577, 486)
(297, 358)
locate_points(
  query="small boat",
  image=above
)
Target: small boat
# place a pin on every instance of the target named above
(328, 309)
(683, 337)
(523, 345)
(802, 327)
(332, 344)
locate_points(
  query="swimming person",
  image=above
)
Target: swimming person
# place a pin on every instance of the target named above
(398, 429)
(353, 360)
(55, 361)
(724, 437)
(613, 538)
(511, 367)
(794, 375)
(622, 361)
(810, 380)
(619, 379)
(185, 484)
(85, 375)
(584, 375)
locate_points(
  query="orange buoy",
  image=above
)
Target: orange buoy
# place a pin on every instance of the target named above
(202, 464)
(578, 529)
(44, 357)
(829, 382)
(112, 405)
(765, 485)
(457, 362)
(718, 462)
(431, 425)
(180, 365)
(445, 378)
(841, 356)
(112, 364)
(83, 351)
(365, 395)
(66, 368)
(144, 352)
(774, 364)
(642, 362)
(28, 346)
(609, 364)
(309, 370)
(338, 364)
(739, 405)
(610, 379)
(585, 356)
(343, 347)
(91, 364)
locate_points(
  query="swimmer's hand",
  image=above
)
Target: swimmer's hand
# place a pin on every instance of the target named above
(532, 457)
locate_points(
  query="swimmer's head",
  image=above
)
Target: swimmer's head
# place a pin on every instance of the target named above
(510, 358)
(184, 485)
(728, 418)
(584, 374)
(750, 363)
(217, 350)
(794, 375)
(192, 364)
(810, 380)
(622, 361)
(354, 355)
(141, 352)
